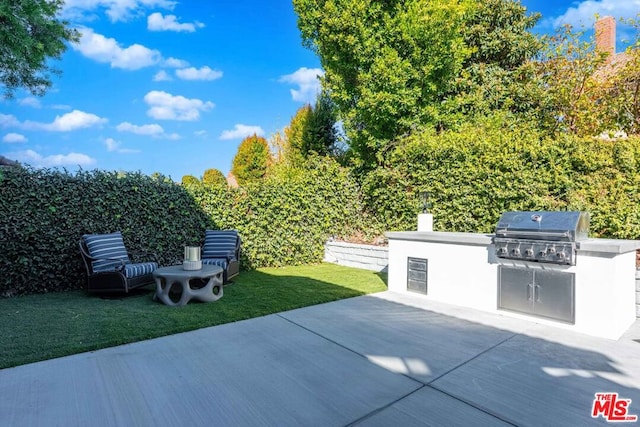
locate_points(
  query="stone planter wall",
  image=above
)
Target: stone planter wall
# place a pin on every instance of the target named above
(638, 293)
(367, 257)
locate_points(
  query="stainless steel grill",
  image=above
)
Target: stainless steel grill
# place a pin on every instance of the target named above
(541, 236)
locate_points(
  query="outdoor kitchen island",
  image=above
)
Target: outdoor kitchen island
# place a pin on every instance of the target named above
(596, 296)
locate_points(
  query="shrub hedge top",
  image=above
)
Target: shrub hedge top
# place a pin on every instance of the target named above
(475, 174)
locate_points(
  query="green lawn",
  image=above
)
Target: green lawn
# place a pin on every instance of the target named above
(39, 327)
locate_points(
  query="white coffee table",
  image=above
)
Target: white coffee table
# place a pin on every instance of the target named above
(168, 278)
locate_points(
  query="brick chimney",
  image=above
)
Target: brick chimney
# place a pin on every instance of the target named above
(606, 36)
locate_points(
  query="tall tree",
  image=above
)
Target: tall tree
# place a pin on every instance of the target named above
(625, 89)
(190, 180)
(214, 177)
(499, 73)
(30, 35)
(296, 134)
(589, 92)
(320, 136)
(386, 63)
(252, 160)
(311, 130)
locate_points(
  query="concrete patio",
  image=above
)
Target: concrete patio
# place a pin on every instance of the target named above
(377, 360)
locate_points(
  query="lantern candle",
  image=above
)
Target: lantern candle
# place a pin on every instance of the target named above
(192, 253)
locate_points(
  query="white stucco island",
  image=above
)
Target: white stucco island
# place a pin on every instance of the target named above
(595, 297)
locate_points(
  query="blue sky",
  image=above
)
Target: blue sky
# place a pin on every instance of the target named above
(173, 87)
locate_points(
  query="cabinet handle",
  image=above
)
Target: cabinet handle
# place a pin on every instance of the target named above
(529, 291)
(537, 293)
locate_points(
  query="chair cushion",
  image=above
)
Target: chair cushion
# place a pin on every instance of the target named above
(220, 244)
(140, 269)
(220, 262)
(106, 246)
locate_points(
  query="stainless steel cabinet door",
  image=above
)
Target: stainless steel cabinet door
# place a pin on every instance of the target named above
(554, 295)
(515, 289)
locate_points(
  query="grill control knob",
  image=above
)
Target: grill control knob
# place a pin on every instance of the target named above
(543, 253)
(528, 252)
(552, 251)
(515, 252)
(501, 251)
(561, 255)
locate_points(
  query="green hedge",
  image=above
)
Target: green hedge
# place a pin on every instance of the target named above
(283, 220)
(44, 213)
(286, 218)
(474, 174)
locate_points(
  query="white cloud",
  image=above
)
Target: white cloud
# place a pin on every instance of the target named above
(307, 81)
(114, 146)
(162, 76)
(583, 13)
(14, 137)
(116, 10)
(107, 50)
(37, 160)
(61, 107)
(200, 133)
(204, 73)
(241, 131)
(30, 101)
(151, 130)
(154, 130)
(67, 122)
(8, 120)
(157, 22)
(164, 106)
(175, 63)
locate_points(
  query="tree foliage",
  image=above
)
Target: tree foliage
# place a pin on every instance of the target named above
(386, 63)
(569, 69)
(296, 134)
(252, 160)
(312, 130)
(624, 91)
(499, 73)
(214, 177)
(499, 33)
(30, 35)
(190, 180)
(590, 93)
(320, 136)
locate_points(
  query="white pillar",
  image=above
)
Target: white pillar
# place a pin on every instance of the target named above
(425, 222)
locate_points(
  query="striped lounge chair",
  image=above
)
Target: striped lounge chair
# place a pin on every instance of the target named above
(222, 248)
(109, 268)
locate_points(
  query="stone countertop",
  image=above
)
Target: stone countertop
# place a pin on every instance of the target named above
(613, 246)
(441, 237)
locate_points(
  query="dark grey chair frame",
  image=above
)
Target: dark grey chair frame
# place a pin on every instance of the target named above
(233, 265)
(108, 282)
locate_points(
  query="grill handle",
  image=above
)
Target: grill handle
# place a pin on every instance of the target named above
(536, 234)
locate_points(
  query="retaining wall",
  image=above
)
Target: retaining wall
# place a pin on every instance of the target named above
(367, 257)
(638, 293)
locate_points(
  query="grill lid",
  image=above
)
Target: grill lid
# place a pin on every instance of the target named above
(567, 226)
